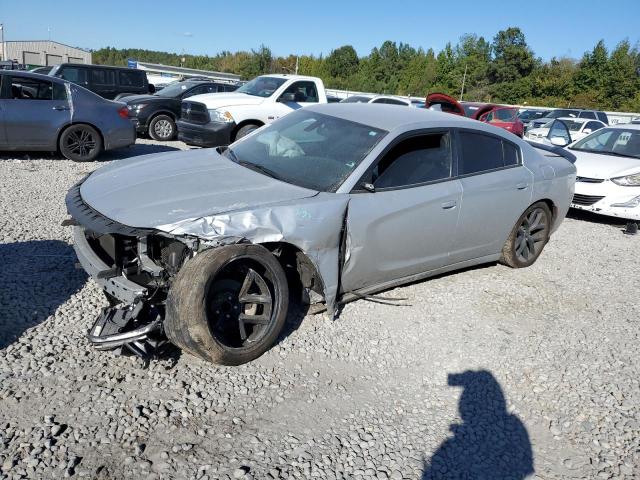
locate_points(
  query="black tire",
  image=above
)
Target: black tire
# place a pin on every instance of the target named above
(528, 237)
(246, 130)
(162, 128)
(80, 143)
(208, 310)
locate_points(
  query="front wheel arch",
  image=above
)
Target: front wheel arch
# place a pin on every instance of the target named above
(242, 124)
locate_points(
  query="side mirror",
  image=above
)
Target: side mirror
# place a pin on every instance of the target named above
(287, 97)
(368, 187)
(586, 130)
(559, 141)
(152, 88)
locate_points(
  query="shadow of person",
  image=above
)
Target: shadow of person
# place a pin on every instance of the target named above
(36, 277)
(490, 444)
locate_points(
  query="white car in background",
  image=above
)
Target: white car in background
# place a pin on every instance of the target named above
(578, 128)
(387, 99)
(608, 172)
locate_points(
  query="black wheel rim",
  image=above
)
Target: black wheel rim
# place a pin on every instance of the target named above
(81, 142)
(240, 304)
(531, 235)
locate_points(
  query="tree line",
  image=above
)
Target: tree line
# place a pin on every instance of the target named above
(504, 70)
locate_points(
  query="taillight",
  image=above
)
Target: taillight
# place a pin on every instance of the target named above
(123, 112)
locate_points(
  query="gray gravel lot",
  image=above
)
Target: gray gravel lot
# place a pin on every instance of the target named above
(492, 371)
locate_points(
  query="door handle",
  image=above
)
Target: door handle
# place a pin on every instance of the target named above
(522, 186)
(59, 108)
(449, 205)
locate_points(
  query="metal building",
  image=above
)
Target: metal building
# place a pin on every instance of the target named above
(40, 53)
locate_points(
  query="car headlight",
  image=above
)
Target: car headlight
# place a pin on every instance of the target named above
(628, 181)
(220, 116)
(634, 202)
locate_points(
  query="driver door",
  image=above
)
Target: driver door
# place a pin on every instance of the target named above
(299, 94)
(402, 219)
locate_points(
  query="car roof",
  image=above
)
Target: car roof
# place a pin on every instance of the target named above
(579, 119)
(26, 73)
(390, 117)
(287, 76)
(632, 126)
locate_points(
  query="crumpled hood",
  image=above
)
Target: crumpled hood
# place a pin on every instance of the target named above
(162, 189)
(217, 100)
(594, 165)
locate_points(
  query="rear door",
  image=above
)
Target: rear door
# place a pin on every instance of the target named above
(35, 111)
(103, 82)
(496, 190)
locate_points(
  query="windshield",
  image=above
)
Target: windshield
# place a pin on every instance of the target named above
(612, 141)
(173, 90)
(502, 115)
(261, 86)
(470, 110)
(307, 149)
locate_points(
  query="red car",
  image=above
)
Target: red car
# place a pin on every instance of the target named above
(503, 117)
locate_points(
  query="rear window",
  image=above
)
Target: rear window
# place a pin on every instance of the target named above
(132, 78)
(480, 153)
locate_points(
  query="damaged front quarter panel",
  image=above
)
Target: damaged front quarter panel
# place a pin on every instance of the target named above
(314, 225)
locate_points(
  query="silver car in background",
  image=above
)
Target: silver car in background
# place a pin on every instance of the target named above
(329, 204)
(39, 112)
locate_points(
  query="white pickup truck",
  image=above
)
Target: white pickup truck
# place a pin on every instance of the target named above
(215, 119)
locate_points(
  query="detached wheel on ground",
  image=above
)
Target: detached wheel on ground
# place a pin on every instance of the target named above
(228, 305)
(162, 128)
(246, 130)
(80, 143)
(528, 237)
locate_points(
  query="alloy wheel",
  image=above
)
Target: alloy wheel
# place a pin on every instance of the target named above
(531, 235)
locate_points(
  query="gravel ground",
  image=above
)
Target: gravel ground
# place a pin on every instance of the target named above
(495, 372)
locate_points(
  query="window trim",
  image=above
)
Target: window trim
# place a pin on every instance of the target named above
(400, 138)
(5, 88)
(457, 132)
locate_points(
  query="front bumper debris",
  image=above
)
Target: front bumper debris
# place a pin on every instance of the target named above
(137, 328)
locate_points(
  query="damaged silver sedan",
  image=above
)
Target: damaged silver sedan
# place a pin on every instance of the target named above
(207, 248)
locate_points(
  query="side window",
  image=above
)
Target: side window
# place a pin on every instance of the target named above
(25, 88)
(419, 159)
(196, 91)
(510, 153)
(131, 79)
(102, 76)
(602, 117)
(479, 153)
(73, 74)
(392, 101)
(593, 126)
(379, 100)
(304, 92)
(59, 92)
(587, 115)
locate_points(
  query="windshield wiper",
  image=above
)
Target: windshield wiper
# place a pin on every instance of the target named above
(259, 168)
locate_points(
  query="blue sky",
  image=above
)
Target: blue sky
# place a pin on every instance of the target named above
(552, 27)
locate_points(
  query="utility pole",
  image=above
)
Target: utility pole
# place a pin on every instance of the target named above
(2, 40)
(297, 60)
(464, 78)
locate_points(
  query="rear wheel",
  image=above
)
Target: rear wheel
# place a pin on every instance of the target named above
(228, 305)
(528, 237)
(162, 128)
(80, 143)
